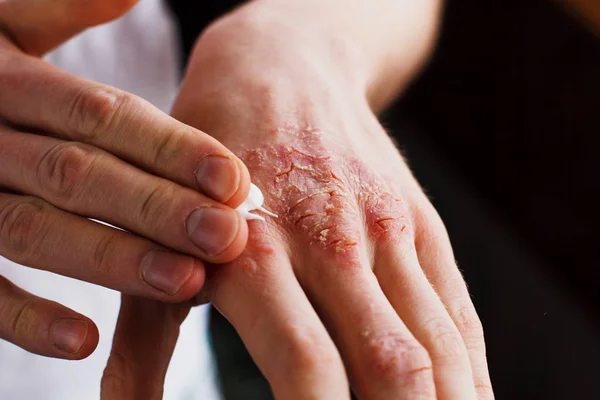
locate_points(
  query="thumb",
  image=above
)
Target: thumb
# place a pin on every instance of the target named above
(38, 26)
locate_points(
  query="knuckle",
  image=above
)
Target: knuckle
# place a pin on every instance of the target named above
(328, 219)
(249, 267)
(62, 171)
(468, 323)
(103, 255)
(94, 111)
(22, 319)
(387, 217)
(310, 352)
(167, 150)
(393, 229)
(155, 204)
(447, 341)
(22, 227)
(401, 362)
(417, 378)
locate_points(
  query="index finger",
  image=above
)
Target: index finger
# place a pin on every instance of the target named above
(38, 95)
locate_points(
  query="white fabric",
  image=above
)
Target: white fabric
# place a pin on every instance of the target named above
(139, 54)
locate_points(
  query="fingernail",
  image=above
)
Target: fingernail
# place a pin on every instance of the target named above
(212, 229)
(69, 334)
(218, 177)
(166, 271)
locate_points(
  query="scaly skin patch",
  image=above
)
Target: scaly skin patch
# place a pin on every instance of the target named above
(322, 197)
(308, 196)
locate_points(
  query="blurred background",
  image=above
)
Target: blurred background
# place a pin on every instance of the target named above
(503, 131)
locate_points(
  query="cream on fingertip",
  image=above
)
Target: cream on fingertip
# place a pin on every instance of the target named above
(254, 202)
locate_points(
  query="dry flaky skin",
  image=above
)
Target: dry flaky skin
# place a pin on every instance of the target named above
(323, 198)
(338, 286)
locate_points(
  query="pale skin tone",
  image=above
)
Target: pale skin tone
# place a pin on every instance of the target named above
(71, 148)
(355, 282)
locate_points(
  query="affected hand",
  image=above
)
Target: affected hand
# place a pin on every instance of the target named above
(357, 271)
(355, 282)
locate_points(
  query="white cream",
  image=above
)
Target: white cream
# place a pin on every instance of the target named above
(254, 202)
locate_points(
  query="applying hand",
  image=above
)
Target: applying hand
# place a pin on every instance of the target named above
(71, 149)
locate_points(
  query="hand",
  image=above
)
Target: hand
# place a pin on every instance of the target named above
(70, 150)
(355, 282)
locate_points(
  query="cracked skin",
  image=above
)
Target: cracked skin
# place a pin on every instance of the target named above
(323, 198)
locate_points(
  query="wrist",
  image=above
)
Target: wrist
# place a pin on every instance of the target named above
(373, 48)
(264, 43)
(255, 80)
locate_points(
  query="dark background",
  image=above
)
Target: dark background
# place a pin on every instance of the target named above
(502, 130)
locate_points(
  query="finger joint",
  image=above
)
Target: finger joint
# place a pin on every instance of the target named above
(104, 250)
(167, 149)
(21, 323)
(22, 228)
(468, 323)
(94, 111)
(311, 354)
(154, 205)
(63, 169)
(402, 363)
(446, 341)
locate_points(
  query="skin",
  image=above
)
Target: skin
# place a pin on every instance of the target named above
(355, 282)
(72, 149)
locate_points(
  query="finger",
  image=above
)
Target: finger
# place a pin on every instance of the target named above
(143, 344)
(383, 358)
(437, 260)
(44, 327)
(38, 95)
(39, 25)
(260, 296)
(412, 296)
(90, 182)
(38, 235)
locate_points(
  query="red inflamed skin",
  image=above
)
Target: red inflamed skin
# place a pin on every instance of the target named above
(354, 284)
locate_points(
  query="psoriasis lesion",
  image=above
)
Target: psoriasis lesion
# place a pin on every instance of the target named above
(321, 196)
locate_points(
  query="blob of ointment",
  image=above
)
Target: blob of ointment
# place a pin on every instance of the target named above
(254, 202)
